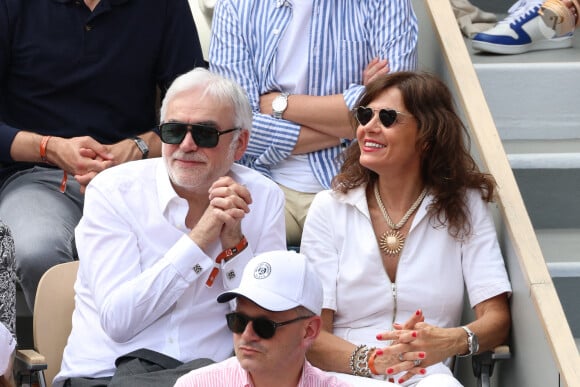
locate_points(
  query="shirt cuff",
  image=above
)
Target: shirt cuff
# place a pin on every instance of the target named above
(188, 259)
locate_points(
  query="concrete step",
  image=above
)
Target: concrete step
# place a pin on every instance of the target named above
(550, 193)
(560, 245)
(566, 277)
(527, 146)
(532, 95)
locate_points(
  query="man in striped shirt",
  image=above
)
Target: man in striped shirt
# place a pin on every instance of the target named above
(275, 321)
(304, 63)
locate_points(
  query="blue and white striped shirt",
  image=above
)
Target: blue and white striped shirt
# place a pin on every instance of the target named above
(345, 36)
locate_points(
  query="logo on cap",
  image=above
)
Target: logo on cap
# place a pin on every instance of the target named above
(262, 271)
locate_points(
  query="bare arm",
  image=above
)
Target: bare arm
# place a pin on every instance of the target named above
(62, 152)
(326, 114)
(332, 353)
(310, 140)
(492, 324)
(120, 152)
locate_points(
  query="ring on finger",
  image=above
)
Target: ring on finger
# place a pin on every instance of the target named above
(417, 362)
(400, 356)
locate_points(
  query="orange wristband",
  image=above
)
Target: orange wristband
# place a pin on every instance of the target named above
(43, 144)
(63, 182)
(372, 363)
(226, 254)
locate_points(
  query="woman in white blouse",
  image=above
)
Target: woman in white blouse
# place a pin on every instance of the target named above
(404, 231)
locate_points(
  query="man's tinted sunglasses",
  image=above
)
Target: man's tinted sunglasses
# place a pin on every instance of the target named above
(263, 327)
(204, 135)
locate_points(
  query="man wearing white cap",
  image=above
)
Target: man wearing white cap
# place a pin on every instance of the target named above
(275, 320)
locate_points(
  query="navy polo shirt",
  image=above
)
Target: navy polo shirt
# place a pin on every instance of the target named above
(67, 71)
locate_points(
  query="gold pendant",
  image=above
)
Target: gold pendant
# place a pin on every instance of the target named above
(392, 242)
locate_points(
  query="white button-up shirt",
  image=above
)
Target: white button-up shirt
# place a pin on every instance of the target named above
(141, 280)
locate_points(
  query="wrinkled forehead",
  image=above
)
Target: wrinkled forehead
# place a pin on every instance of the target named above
(196, 105)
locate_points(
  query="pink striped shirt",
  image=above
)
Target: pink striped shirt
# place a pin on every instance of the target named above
(229, 373)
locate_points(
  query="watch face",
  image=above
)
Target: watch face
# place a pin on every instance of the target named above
(279, 104)
(475, 343)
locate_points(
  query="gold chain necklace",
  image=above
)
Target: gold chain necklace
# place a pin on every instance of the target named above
(392, 242)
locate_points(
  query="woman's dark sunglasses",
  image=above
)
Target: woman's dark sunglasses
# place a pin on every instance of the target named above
(204, 135)
(388, 117)
(263, 327)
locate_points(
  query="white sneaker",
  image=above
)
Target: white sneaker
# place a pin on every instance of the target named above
(529, 26)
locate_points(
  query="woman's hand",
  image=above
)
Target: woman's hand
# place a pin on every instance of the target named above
(399, 357)
(419, 345)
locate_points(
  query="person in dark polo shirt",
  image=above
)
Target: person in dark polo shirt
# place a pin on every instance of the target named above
(78, 90)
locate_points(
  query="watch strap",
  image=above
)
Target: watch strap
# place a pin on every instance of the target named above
(278, 113)
(472, 343)
(142, 145)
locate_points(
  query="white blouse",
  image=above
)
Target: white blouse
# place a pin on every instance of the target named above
(433, 273)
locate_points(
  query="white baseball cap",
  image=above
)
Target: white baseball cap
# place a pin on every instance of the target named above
(7, 344)
(279, 281)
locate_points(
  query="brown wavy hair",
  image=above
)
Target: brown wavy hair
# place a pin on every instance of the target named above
(447, 167)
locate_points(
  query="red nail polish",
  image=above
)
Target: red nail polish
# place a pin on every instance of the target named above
(391, 380)
(422, 355)
(418, 312)
(390, 371)
(414, 334)
(423, 371)
(401, 381)
(379, 336)
(379, 352)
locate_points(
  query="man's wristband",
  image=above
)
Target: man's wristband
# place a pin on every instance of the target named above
(225, 255)
(229, 253)
(43, 144)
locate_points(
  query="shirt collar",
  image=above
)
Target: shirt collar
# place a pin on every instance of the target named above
(165, 192)
(247, 380)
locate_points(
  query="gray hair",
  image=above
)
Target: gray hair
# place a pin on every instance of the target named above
(221, 89)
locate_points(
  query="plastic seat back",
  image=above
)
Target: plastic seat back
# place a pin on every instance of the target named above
(52, 321)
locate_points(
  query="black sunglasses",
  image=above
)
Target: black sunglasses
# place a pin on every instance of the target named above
(388, 117)
(263, 327)
(204, 135)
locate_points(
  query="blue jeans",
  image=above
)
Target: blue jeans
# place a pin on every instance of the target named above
(42, 221)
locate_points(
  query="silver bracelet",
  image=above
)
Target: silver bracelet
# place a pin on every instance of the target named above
(359, 361)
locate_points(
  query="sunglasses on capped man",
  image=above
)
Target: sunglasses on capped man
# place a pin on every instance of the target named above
(263, 327)
(204, 135)
(388, 117)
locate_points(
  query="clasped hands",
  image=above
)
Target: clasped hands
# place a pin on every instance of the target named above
(229, 202)
(414, 346)
(85, 157)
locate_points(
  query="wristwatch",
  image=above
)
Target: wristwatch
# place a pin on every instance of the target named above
(472, 342)
(142, 145)
(279, 105)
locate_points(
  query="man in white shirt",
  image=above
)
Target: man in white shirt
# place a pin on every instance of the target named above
(160, 239)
